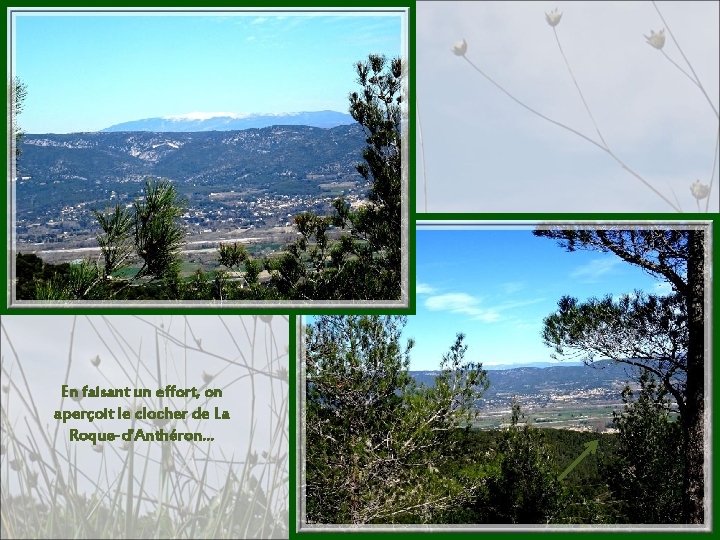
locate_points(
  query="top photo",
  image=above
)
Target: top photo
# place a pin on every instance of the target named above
(191, 157)
(567, 107)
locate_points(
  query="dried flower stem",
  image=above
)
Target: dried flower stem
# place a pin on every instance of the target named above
(677, 201)
(674, 63)
(582, 97)
(568, 128)
(712, 174)
(422, 153)
(697, 79)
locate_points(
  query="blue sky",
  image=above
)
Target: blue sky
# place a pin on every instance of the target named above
(85, 73)
(485, 153)
(497, 285)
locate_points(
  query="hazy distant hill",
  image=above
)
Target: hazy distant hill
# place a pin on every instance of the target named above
(558, 379)
(229, 122)
(564, 363)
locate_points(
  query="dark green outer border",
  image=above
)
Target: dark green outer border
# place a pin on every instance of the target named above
(292, 432)
(234, 309)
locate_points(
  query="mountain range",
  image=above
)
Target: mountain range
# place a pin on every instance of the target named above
(558, 379)
(223, 121)
(267, 158)
(62, 177)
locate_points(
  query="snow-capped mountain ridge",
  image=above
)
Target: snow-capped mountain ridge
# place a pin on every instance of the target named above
(204, 116)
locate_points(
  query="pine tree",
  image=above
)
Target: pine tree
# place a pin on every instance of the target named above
(646, 475)
(526, 489)
(365, 262)
(115, 240)
(158, 232)
(376, 443)
(18, 91)
(663, 335)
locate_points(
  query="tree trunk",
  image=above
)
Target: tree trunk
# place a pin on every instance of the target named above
(693, 419)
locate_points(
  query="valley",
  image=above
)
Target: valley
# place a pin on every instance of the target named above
(241, 186)
(574, 397)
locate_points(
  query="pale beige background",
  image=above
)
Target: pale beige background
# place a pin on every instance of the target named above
(235, 486)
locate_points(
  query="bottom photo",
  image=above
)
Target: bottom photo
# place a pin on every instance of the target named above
(144, 427)
(553, 377)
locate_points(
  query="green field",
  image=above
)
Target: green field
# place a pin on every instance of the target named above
(584, 418)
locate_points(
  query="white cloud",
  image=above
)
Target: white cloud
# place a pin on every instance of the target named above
(594, 270)
(518, 303)
(467, 304)
(511, 287)
(451, 301)
(461, 303)
(424, 288)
